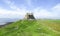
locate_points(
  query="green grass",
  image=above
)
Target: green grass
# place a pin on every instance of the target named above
(32, 28)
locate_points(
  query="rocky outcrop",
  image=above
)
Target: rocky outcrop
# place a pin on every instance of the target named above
(29, 16)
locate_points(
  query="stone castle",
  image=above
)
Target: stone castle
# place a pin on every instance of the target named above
(29, 16)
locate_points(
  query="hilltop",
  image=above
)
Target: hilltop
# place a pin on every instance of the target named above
(32, 28)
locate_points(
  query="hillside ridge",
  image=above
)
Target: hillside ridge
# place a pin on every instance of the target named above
(31, 28)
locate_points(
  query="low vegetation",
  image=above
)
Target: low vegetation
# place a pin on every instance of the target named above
(32, 28)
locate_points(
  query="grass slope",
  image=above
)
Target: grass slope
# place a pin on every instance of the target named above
(32, 28)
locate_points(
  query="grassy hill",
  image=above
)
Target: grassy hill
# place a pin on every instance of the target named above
(32, 28)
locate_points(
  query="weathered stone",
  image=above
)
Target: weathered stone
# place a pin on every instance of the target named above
(29, 16)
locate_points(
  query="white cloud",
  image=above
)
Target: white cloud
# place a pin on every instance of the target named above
(17, 13)
(38, 12)
(11, 14)
(43, 13)
(56, 9)
(12, 5)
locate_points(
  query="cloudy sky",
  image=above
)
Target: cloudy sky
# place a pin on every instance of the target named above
(40, 8)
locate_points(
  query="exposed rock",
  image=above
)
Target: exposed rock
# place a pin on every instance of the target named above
(29, 16)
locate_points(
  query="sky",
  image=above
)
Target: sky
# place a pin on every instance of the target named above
(49, 9)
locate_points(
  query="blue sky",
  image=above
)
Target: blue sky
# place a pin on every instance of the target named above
(40, 8)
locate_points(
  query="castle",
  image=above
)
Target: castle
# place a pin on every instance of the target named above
(29, 16)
